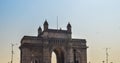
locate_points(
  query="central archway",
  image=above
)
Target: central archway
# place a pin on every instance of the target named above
(53, 58)
(59, 55)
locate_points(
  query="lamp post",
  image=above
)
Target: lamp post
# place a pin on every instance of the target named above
(12, 52)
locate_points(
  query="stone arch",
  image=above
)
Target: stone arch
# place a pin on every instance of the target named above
(60, 54)
(78, 58)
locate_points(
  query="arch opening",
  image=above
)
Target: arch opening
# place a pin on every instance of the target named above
(53, 58)
(57, 56)
(77, 56)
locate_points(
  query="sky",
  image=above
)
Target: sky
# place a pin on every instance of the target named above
(97, 21)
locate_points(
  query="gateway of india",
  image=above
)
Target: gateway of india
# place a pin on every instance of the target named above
(38, 49)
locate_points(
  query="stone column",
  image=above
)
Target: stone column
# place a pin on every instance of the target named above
(46, 56)
(46, 52)
(84, 55)
(70, 53)
(26, 55)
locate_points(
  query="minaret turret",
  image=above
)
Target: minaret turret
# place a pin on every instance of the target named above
(39, 30)
(45, 25)
(69, 27)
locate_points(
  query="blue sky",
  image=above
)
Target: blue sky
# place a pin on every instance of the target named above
(95, 20)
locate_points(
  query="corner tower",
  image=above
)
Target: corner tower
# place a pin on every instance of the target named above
(69, 28)
(39, 31)
(45, 25)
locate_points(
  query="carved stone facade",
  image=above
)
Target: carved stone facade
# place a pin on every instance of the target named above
(38, 49)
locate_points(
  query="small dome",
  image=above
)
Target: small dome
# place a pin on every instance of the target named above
(39, 28)
(69, 25)
(45, 23)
